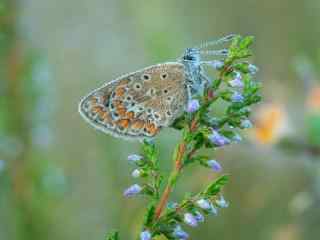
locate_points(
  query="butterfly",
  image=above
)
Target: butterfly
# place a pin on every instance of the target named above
(138, 105)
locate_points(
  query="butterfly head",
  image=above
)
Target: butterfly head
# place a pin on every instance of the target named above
(192, 55)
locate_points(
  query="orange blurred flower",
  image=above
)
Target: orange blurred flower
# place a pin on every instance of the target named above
(313, 100)
(270, 124)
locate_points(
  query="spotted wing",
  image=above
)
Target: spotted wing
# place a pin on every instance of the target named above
(139, 104)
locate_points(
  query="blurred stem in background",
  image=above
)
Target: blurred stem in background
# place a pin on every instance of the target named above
(21, 123)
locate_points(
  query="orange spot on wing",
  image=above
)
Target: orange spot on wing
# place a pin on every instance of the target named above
(97, 109)
(130, 115)
(120, 91)
(123, 123)
(137, 124)
(120, 108)
(106, 117)
(151, 128)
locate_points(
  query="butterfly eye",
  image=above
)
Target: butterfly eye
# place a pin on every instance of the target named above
(137, 86)
(168, 113)
(165, 91)
(169, 99)
(164, 76)
(146, 77)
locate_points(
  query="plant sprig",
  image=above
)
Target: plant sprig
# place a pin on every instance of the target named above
(201, 128)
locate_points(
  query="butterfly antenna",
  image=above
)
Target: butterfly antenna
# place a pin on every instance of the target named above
(222, 52)
(217, 42)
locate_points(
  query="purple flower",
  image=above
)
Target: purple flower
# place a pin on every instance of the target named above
(253, 69)
(193, 105)
(222, 202)
(136, 173)
(237, 97)
(145, 235)
(199, 217)
(216, 64)
(246, 124)
(179, 233)
(132, 190)
(190, 220)
(134, 158)
(204, 204)
(237, 81)
(218, 139)
(214, 165)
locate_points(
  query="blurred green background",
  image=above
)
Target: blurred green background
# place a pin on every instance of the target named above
(61, 179)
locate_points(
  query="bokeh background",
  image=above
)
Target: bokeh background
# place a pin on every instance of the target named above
(61, 179)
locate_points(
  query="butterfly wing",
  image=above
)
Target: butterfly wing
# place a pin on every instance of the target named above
(138, 104)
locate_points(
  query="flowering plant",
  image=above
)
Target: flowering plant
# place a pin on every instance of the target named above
(201, 127)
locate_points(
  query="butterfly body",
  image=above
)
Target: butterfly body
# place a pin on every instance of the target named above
(139, 104)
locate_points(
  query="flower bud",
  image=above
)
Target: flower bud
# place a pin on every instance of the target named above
(218, 139)
(145, 235)
(204, 204)
(136, 173)
(190, 220)
(237, 97)
(222, 202)
(134, 158)
(132, 190)
(214, 165)
(193, 106)
(179, 233)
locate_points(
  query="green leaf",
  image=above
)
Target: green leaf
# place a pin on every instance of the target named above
(246, 42)
(113, 236)
(149, 215)
(215, 187)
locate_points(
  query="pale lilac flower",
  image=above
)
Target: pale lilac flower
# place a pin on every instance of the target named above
(179, 233)
(253, 69)
(213, 210)
(193, 105)
(172, 205)
(134, 158)
(204, 204)
(132, 190)
(246, 124)
(145, 235)
(218, 139)
(214, 165)
(237, 81)
(199, 217)
(190, 220)
(216, 64)
(136, 173)
(222, 202)
(237, 97)
(236, 138)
